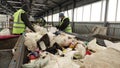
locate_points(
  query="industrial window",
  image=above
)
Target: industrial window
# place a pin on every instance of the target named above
(70, 14)
(75, 15)
(112, 10)
(118, 12)
(45, 18)
(50, 18)
(86, 13)
(78, 14)
(56, 17)
(65, 13)
(103, 4)
(96, 11)
(3, 18)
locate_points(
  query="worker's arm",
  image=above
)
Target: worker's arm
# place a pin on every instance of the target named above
(44, 21)
(26, 21)
(66, 22)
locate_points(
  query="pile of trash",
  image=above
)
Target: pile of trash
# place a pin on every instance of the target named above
(55, 49)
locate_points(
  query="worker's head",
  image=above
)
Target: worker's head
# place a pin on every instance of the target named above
(61, 15)
(25, 7)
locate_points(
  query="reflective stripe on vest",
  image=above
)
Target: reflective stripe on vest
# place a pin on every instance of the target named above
(18, 26)
(68, 28)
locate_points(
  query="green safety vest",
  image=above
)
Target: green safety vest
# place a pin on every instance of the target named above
(68, 28)
(18, 26)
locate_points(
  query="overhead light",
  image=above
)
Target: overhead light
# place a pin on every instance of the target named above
(34, 11)
(16, 7)
(31, 13)
(14, 2)
(37, 9)
(39, 4)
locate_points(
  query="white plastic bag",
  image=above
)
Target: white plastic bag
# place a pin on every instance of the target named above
(5, 31)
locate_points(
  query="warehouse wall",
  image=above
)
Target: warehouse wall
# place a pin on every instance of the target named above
(4, 20)
(114, 29)
(90, 13)
(86, 28)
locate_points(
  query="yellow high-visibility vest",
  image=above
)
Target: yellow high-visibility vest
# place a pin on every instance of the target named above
(68, 28)
(18, 26)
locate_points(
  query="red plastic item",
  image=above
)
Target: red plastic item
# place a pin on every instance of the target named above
(8, 36)
(32, 57)
(88, 52)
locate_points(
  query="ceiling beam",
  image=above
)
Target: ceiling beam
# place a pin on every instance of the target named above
(37, 10)
(16, 7)
(54, 2)
(5, 8)
(39, 4)
(55, 6)
(37, 7)
(45, 1)
(9, 6)
(14, 2)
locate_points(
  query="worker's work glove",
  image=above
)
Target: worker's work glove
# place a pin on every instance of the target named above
(57, 27)
(33, 30)
(57, 33)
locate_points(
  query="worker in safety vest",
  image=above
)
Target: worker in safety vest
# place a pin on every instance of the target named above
(21, 20)
(64, 24)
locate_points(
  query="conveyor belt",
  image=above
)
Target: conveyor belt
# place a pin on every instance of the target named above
(5, 58)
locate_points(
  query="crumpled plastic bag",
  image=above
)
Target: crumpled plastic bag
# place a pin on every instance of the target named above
(52, 29)
(5, 31)
(108, 58)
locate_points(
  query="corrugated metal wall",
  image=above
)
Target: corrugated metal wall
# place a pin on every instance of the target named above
(86, 28)
(114, 29)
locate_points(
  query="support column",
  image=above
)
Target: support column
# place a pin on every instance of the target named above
(106, 13)
(52, 17)
(73, 23)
